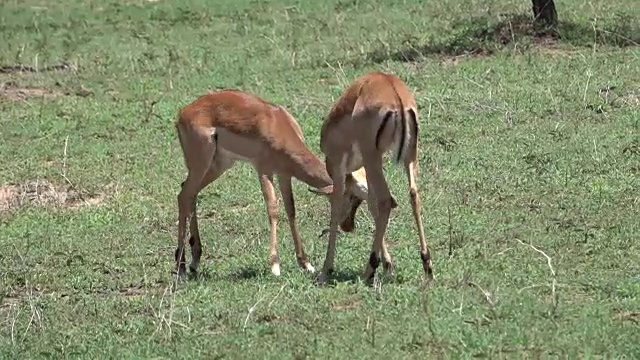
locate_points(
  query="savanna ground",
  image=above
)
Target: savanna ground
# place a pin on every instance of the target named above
(527, 141)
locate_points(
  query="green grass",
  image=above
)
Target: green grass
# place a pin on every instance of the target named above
(519, 146)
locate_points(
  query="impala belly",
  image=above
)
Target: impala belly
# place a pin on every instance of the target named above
(354, 160)
(238, 147)
(360, 188)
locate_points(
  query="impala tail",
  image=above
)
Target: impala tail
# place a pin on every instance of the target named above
(405, 125)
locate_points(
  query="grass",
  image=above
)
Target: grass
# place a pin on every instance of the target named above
(526, 143)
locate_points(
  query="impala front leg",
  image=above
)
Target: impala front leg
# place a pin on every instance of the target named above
(269, 193)
(289, 206)
(337, 173)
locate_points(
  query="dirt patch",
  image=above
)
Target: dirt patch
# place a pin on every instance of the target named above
(554, 50)
(44, 194)
(159, 288)
(134, 290)
(631, 98)
(21, 295)
(615, 97)
(345, 304)
(11, 69)
(12, 91)
(626, 315)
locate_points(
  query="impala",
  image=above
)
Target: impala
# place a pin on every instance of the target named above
(375, 114)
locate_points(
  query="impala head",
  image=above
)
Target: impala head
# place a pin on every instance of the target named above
(356, 192)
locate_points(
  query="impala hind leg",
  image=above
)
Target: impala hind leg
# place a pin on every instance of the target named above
(218, 167)
(284, 183)
(380, 203)
(411, 168)
(271, 200)
(198, 156)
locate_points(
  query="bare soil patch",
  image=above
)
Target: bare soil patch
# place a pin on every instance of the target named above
(12, 91)
(20, 68)
(346, 304)
(631, 98)
(20, 295)
(627, 315)
(44, 194)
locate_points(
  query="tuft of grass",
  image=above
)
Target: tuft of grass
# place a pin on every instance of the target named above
(528, 176)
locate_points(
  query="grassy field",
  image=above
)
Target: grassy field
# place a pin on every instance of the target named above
(526, 143)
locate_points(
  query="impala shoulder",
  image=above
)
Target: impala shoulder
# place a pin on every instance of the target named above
(287, 119)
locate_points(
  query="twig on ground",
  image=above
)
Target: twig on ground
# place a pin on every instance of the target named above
(162, 315)
(173, 297)
(450, 232)
(159, 314)
(278, 294)
(64, 158)
(64, 171)
(586, 88)
(553, 272)
(253, 308)
(487, 295)
(459, 310)
(150, 111)
(35, 315)
(13, 324)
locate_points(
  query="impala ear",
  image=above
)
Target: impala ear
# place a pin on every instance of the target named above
(327, 190)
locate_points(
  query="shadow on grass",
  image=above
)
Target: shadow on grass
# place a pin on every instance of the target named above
(345, 275)
(353, 276)
(482, 36)
(336, 277)
(241, 274)
(247, 273)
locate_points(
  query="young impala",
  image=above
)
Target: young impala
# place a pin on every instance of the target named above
(222, 127)
(376, 113)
